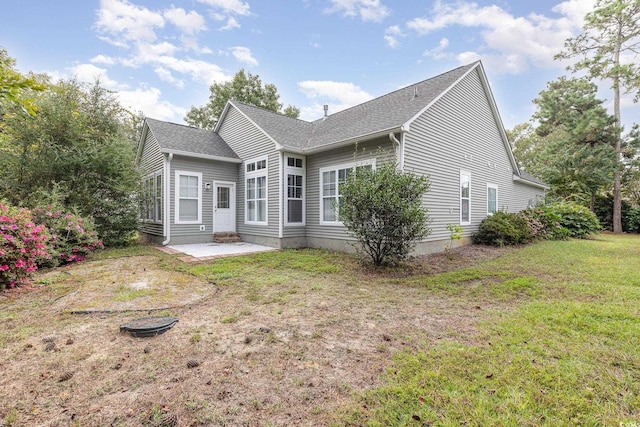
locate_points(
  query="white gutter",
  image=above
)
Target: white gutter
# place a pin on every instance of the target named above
(167, 198)
(338, 144)
(531, 183)
(200, 156)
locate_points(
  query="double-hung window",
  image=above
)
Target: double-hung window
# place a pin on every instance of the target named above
(188, 197)
(152, 197)
(331, 179)
(256, 191)
(465, 197)
(294, 171)
(492, 199)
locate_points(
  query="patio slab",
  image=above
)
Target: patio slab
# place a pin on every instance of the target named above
(204, 251)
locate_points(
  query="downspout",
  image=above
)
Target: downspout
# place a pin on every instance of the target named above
(280, 191)
(400, 150)
(167, 200)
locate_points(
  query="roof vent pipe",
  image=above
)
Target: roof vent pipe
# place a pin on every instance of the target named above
(326, 109)
(415, 92)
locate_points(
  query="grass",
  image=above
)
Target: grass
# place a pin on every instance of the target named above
(545, 335)
(567, 355)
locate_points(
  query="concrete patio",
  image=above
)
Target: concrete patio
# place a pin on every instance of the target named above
(197, 252)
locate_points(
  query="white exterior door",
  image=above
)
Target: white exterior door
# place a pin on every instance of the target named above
(224, 207)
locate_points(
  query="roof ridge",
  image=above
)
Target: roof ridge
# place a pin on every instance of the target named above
(269, 111)
(177, 124)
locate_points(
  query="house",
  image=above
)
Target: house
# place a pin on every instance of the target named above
(274, 180)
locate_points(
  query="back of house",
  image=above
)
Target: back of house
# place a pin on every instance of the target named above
(274, 180)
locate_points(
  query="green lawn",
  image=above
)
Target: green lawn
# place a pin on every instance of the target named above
(565, 351)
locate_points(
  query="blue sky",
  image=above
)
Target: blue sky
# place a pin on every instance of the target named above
(161, 56)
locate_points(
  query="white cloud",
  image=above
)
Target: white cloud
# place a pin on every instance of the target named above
(123, 20)
(165, 75)
(102, 59)
(228, 7)
(190, 23)
(392, 35)
(90, 73)
(231, 24)
(439, 51)
(515, 42)
(339, 96)
(368, 10)
(148, 100)
(243, 54)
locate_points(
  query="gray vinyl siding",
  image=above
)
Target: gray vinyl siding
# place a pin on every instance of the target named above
(528, 196)
(249, 142)
(460, 132)
(211, 171)
(381, 149)
(151, 161)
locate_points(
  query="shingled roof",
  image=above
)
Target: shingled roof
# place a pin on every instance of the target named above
(385, 113)
(181, 139)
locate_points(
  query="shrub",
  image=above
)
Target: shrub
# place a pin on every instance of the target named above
(22, 245)
(577, 219)
(544, 224)
(72, 237)
(633, 220)
(502, 229)
(383, 209)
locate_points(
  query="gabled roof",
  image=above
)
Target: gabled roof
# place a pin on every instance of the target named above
(190, 141)
(392, 112)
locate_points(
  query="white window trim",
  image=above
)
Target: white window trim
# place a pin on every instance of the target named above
(494, 186)
(468, 174)
(295, 171)
(336, 168)
(177, 196)
(154, 193)
(256, 174)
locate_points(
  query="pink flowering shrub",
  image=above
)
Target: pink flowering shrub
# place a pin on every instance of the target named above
(72, 237)
(22, 245)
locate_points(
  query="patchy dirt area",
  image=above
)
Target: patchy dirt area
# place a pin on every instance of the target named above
(290, 353)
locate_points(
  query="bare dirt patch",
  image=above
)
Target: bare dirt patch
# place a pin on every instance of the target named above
(288, 354)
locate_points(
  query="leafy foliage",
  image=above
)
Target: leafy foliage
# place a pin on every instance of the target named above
(572, 147)
(244, 87)
(610, 32)
(80, 147)
(544, 223)
(22, 244)
(502, 229)
(633, 220)
(72, 237)
(14, 86)
(579, 220)
(383, 209)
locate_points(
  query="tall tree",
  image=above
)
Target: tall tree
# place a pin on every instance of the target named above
(77, 150)
(610, 32)
(572, 146)
(244, 87)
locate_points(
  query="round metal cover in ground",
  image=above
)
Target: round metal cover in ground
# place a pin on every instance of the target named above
(149, 326)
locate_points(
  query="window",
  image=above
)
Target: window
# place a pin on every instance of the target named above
(492, 199)
(330, 180)
(188, 197)
(256, 191)
(294, 171)
(465, 198)
(151, 206)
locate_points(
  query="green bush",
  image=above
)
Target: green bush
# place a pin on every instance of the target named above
(72, 237)
(633, 220)
(382, 208)
(545, 224)
(501, 229)
(577, 219)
